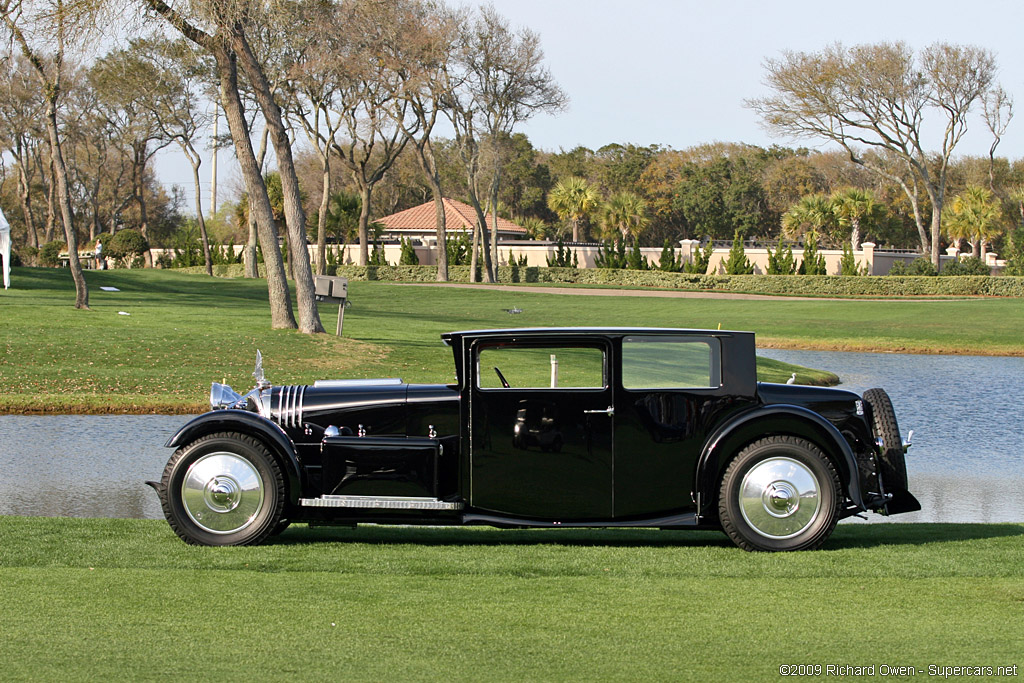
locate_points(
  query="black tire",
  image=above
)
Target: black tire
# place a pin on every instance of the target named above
(765, 500)
(281, 526)
(223, 489)
(891, 461)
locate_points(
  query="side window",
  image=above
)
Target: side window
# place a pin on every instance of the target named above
(541, 367)
(660, 362)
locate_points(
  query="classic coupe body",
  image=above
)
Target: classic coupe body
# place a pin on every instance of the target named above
(562, 427)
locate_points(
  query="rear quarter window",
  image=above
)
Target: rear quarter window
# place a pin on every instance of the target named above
(662, 362)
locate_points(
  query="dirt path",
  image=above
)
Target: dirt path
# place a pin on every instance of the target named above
(652, 293)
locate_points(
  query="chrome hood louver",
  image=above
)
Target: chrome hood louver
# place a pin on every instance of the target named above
(286, 405)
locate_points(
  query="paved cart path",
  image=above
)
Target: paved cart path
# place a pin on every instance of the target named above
(658, 293)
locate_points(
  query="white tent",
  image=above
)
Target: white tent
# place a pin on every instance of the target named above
(5, 248)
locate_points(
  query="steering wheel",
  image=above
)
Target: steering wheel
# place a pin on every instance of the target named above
(504, 382)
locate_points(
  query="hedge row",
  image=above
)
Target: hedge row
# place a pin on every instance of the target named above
(803, 285)
(796, 285)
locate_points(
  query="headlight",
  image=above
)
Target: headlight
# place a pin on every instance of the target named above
(223, 396)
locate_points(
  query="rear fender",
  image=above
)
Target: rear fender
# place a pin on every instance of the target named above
(773, 420)
(252, 424)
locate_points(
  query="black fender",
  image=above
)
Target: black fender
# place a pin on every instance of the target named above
(254, 425)
(754, 424)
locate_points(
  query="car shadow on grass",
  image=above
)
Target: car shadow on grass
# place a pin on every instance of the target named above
(845, 536)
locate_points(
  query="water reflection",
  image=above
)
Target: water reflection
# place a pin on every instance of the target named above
(967, 464)
(83, 466)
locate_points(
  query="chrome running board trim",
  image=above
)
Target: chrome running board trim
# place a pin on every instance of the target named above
(379, 503)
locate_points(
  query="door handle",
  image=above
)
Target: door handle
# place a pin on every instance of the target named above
(609, 411)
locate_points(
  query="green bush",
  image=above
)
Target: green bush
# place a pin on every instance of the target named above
(967, 266)
(408, 256)
(737, 262)
(1013, 249)
(848, 262)
(458, 249)
(668, 261)
(813, 263)
(563, 257)
(28, 254)
(611, 255)
(920, 266)
(701, 260)
(635, 260)
(782, 261)
(49, 253)
(126, 246)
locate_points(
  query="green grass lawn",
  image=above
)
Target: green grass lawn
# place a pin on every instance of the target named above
(126, 600)
(185, 331)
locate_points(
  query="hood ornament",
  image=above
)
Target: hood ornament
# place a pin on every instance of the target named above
(261, 381)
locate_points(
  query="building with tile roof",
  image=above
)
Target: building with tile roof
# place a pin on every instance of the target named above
(419, 222)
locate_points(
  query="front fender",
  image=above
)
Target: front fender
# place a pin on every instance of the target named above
(771, 420)
(253, 425)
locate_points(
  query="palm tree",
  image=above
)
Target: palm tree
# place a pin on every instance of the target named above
(975, 215)
(811, 213)
(624, 214)
(573, 199)
(853, 208)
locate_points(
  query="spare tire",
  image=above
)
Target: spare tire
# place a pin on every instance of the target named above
(892, 463)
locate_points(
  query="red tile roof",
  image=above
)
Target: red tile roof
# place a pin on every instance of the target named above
(457, 216)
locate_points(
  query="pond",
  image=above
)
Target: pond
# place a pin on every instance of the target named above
(966, 465)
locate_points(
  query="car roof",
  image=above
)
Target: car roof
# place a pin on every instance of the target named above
(450, 337)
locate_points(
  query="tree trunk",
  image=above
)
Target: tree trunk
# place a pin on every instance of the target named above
(475, 252)
(425, 155)
(855, 233)
(24, 194)
(321, 222)
(485, 250)
(251, 267)
(364, 224)
(295, 217)
(575, 230)
(495, 184)
(64, 197)
(51, 203)
(207, 257)
(277, 285)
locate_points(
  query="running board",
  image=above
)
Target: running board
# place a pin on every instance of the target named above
(379, 503)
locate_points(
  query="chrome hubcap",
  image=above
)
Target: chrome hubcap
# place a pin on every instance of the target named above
(222, 492)
(779, 497)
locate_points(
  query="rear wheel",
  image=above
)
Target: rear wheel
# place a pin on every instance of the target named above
(780, 493)
(892, 461)
(223, 489)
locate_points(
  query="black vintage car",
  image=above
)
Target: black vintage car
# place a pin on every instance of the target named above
(567, 427)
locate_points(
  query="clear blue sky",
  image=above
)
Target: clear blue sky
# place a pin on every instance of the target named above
(676, 72)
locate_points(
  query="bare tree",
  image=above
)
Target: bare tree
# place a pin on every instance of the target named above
(169, 78)
(416, 54)
(21, 106)
(217, 43)
(52, 23)
(877, 96)
(997, 107)
(500, 81)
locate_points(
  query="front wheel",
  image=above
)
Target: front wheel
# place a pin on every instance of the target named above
(223, 489)
(780, 493)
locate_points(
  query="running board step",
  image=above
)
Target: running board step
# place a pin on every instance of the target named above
(379, 503)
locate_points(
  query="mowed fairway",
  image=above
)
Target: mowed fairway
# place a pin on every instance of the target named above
(126, 600)
(184, 331)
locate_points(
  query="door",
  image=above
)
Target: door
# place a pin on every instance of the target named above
(541, 421)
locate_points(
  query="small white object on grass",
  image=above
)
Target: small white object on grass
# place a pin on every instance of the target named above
(123, 313)
(110, 289)
(792, 379)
